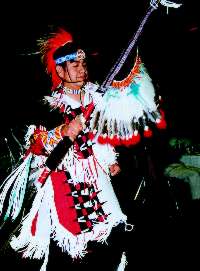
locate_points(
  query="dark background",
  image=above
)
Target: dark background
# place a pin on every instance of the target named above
(169, 49)
(168, 46)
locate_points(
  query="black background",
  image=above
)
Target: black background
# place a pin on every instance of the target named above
(168, 46)
(169, 49)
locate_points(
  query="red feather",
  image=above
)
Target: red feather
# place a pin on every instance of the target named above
(48, 48)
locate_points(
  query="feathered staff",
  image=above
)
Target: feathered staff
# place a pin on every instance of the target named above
(128, 105)
(119, 63)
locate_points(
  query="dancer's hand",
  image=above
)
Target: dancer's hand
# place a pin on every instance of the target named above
(72, 129)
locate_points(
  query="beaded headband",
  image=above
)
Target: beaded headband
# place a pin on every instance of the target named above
(79, 55)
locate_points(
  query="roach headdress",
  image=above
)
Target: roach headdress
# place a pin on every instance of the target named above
(48, 47)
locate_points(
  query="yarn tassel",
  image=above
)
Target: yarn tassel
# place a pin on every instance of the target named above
(123, 263)
(44, 265)
(16, 182)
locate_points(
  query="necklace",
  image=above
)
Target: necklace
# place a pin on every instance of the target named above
(79, 92)
(72, 91)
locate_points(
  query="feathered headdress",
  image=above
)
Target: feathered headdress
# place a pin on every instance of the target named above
(48, 47)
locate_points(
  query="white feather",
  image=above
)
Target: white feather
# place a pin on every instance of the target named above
(121, 109)
(17, 182)
(123, 263)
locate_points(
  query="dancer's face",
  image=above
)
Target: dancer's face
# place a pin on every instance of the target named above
(73, 73)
